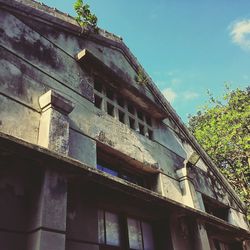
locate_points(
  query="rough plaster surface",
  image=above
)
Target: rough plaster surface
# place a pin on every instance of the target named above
(82, 148)
(44, 240)
(54, 201)
(171, 189)
(15, 119)
(54, 131)
(237, 218)
(169, 139)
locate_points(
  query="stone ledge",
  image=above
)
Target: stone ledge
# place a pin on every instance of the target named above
(53, 99)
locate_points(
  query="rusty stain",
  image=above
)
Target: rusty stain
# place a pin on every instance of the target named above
(102, 137)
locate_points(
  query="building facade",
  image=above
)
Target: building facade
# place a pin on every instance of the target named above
(91, 157)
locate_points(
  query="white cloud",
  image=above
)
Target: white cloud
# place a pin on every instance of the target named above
(175, 81)
(190, 95)
(169, 94)
(240, 33)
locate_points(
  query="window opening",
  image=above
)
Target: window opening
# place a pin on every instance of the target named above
(109, 228)
(140, 235)
(98, 86)
(140, 115)
(98, 102)
(216, 209)
(106, 99)
(132, 178)
(141, 129)
(120, 101)
(217, 245)
(132, 123)
(110, 109)
(123, 173)
(107, 170)
(110, 93)
(131, 109)
(121, 116)
(148, 121)
(150, 134)
(147, 233)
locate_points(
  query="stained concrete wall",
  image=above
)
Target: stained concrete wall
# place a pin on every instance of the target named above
(18, 184)
(26, 76)
(37, 57)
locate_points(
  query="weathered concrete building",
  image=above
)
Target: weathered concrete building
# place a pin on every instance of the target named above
(90, 159)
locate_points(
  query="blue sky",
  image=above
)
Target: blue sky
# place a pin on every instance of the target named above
(187, 47)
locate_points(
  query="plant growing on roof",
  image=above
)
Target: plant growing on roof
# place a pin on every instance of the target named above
(84, 16)
(141, 77)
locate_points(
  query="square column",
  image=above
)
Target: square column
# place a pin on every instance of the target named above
(201, 237)
(54, 122)
(49, 209)
(187, 188)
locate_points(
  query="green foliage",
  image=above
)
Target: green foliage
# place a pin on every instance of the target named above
(222, 127)
(84, 16)
(141, 78)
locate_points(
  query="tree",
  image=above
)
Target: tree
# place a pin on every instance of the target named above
(84, 15)
(222, 127)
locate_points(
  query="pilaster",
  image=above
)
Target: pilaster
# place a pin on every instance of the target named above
(54, 122)
(201, 237)
(48, 220)
(187, 187)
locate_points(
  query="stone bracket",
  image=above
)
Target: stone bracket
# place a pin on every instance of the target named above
(53, 99)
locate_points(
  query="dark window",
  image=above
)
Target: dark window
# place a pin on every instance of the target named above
(150, 134)
(98, 101)
(107, 170)
(110, 93)
(217, 245)
(114, 103)
(221, 245)
(125, 174)
(148, 121)
(131, 109)
(132, 178)
(120, 101)
(108, 228)
(110, 109)
(98, 86)
(140, 234)
(121, 116)
(214, 208)
(141, 129)
(112, 229)
(140, 115)
(131, 123)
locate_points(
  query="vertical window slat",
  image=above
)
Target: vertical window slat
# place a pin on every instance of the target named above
(101, 227)
(147, 233)
(134, 234)
(112, 229)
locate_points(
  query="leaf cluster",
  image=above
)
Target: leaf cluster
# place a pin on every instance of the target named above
(84, 15)
(141, 77)
(222, 127)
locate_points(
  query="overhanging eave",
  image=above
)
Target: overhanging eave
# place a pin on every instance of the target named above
(13, 146)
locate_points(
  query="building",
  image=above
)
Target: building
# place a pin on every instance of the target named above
(90, 157)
